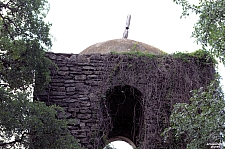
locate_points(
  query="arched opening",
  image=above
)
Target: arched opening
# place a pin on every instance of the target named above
(125, 110)
(120, 142)
(119, 145)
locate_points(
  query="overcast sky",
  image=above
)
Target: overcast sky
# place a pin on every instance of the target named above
(78, 24)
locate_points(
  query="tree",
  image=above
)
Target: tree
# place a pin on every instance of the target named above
(24, 38)
(23, 41)
(31, 124)
(199, 123)
(209, 30)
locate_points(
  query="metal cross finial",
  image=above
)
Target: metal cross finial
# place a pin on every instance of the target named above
(125, 34)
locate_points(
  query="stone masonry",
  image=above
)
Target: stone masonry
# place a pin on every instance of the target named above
(80, 84)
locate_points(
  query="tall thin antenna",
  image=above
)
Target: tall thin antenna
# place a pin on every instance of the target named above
(125, 34)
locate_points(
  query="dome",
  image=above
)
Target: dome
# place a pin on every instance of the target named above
(120, 45)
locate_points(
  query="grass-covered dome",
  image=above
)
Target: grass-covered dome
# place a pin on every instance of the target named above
(120, 45)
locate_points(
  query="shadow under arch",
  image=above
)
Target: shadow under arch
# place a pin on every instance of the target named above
(125, 110)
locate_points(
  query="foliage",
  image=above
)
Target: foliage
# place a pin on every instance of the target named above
(136, 53)
(209, 30)
(203, 55)
(24, 38)
(31, 124)
(201, 121)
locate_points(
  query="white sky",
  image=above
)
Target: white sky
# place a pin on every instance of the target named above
(78, 24)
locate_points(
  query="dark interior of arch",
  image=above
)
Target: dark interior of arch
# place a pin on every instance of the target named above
(124, 107)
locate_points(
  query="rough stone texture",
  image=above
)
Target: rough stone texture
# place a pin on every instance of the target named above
(81, 82)
(120, 45)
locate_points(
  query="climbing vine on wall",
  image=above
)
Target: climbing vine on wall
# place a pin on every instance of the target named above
(163, 81)
(97, 90)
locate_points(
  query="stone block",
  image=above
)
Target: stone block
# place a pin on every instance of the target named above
(89, 68)
(85, 111)
(76, 72)
(57, 80)
(57, 84)
(63, 73)
(93, 83)
(92, 76)
(82, 59)
(70, 84)
(87, 72)
(60, 89)
(83, 98)
(56, 93)
(85, 104)
(71, 100)
(80, 77)
(70, 89)
(79, 133)
(55, 97)
(84, 116)
(64, 68)
(73, 68)
(73, 109)
(73, 58)
(69, 81)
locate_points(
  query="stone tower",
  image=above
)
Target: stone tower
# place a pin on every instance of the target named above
(122, 90)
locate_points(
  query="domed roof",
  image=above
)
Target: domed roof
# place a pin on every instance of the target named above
(120, 45)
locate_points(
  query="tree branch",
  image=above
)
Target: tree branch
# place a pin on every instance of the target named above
(15, 141)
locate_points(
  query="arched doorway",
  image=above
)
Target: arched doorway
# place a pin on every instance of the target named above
(125, 109)
(120, 142)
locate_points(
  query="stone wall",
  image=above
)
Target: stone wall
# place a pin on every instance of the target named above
(80, 85)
